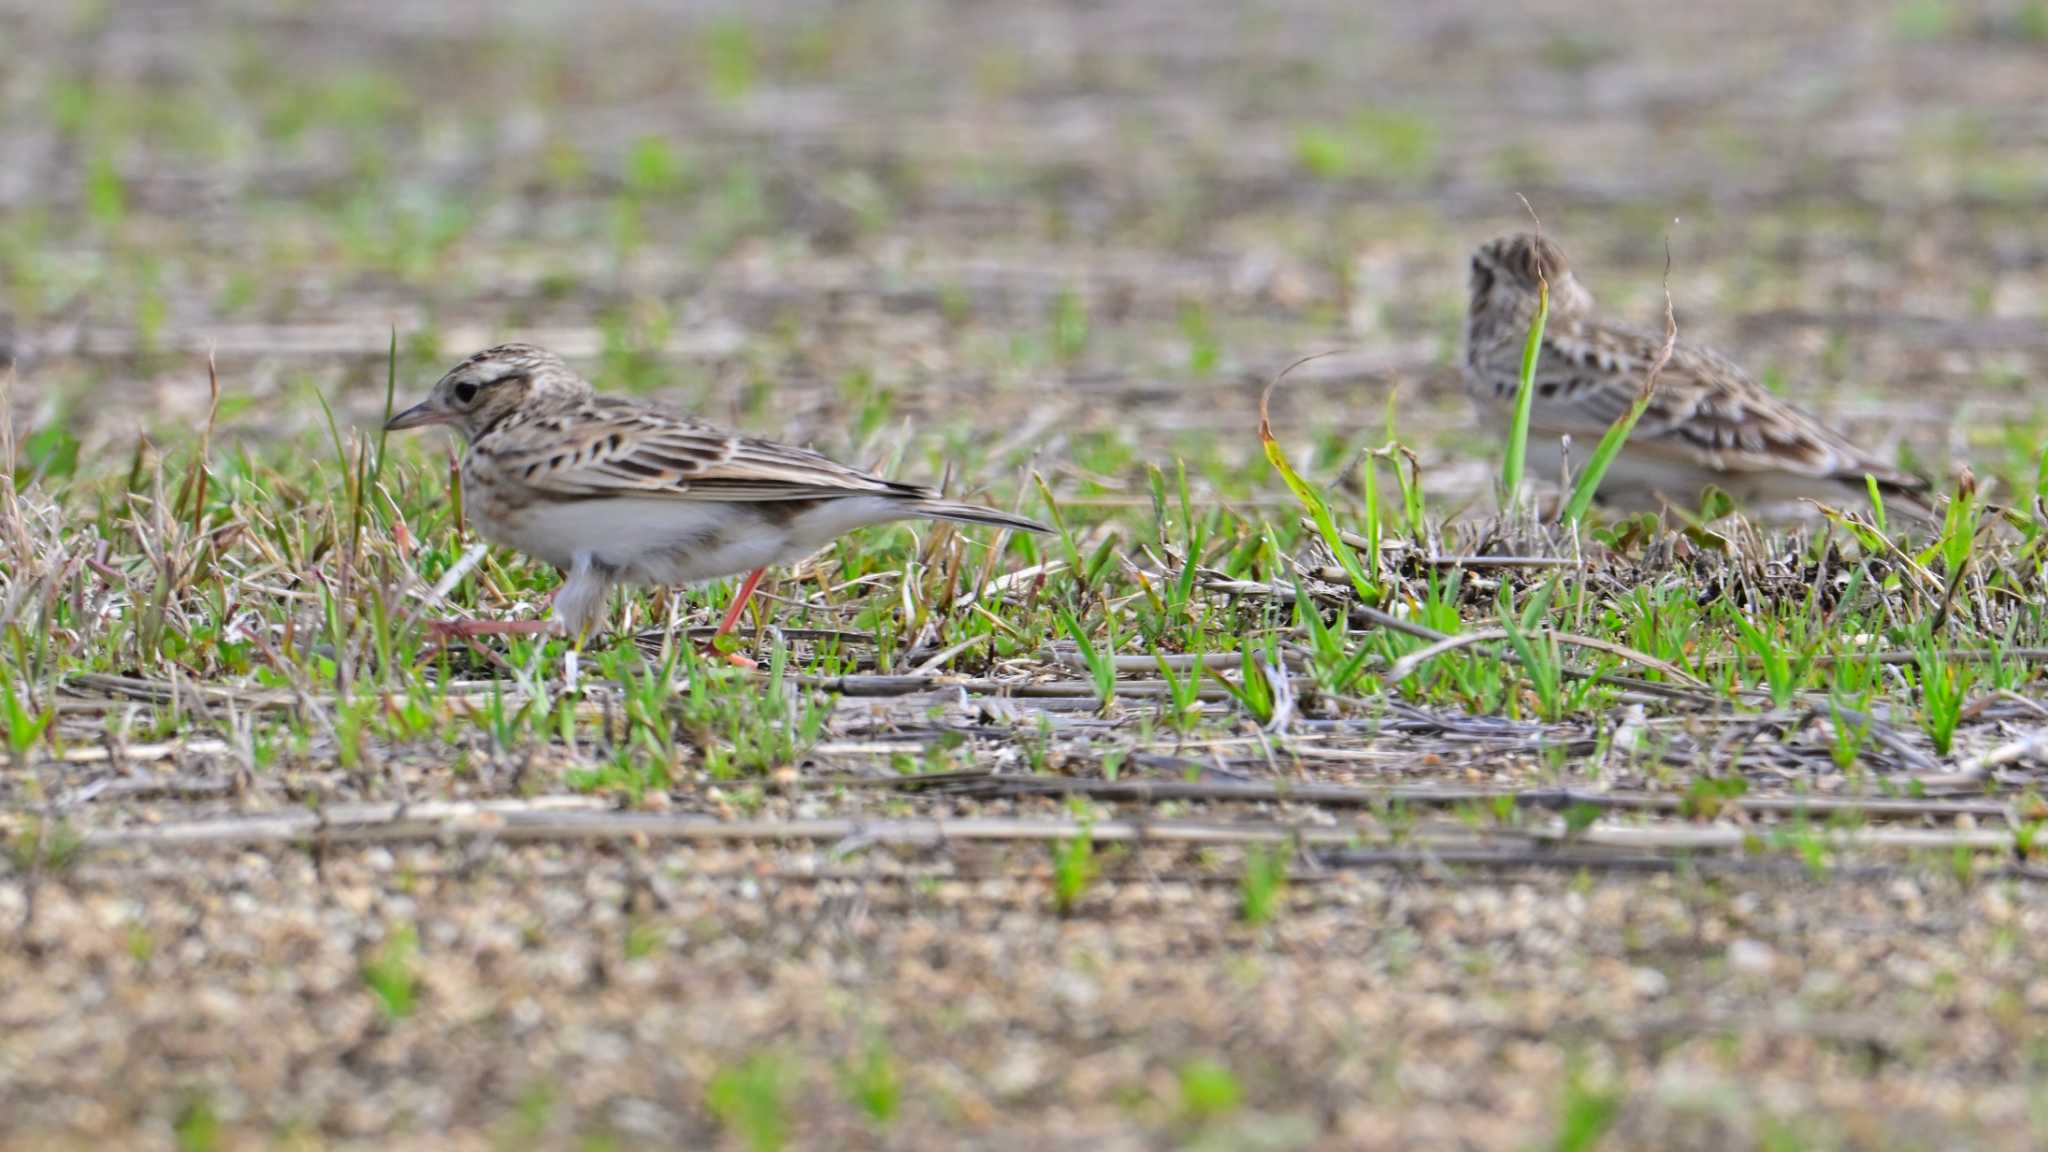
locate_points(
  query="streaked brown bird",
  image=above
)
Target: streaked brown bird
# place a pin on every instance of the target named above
(615, 490)
(1708, 422)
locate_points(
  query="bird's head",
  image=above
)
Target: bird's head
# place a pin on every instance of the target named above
(1510, 272)
(480, 391)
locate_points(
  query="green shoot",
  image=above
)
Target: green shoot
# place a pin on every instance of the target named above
(1101, 662)
(1265, 876)
(389, 974)
(748, 1098)
(1073, 869)
(1208, 1090)
(1525, 395)
(873, 1084)
(1319, 510)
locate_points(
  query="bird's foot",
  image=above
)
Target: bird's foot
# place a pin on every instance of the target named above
(711, 652)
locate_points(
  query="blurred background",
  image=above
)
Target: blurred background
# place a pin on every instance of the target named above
(1104, 224)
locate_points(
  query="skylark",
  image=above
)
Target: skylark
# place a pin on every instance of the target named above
(614, 490)
(1708, 423)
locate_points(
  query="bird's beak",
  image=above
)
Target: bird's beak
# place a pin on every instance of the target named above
(418, 416)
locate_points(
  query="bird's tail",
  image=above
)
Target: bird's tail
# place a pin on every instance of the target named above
(976, 514)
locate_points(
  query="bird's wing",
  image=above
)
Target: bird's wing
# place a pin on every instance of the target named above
(1705, 409)
(613, 447)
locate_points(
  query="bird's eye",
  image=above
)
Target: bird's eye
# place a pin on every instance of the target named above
(465, 391)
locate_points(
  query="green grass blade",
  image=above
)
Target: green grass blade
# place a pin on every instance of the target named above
(1525, 392)
(1075, 565)
(1617, 434)
(1372, 512)
(1318, 510)
(1588, 481)
(390, 407)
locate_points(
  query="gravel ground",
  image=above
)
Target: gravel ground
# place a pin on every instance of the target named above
(566, 992)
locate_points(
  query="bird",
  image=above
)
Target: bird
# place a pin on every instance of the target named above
(1708, 422)
(615, 490)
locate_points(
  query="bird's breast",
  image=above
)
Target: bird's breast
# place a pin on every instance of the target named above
(512, 515)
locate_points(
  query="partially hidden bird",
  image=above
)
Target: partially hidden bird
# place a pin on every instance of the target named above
(1707, 423)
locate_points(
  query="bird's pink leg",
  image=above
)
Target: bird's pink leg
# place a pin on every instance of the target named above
(739, 601)
(732, 617)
